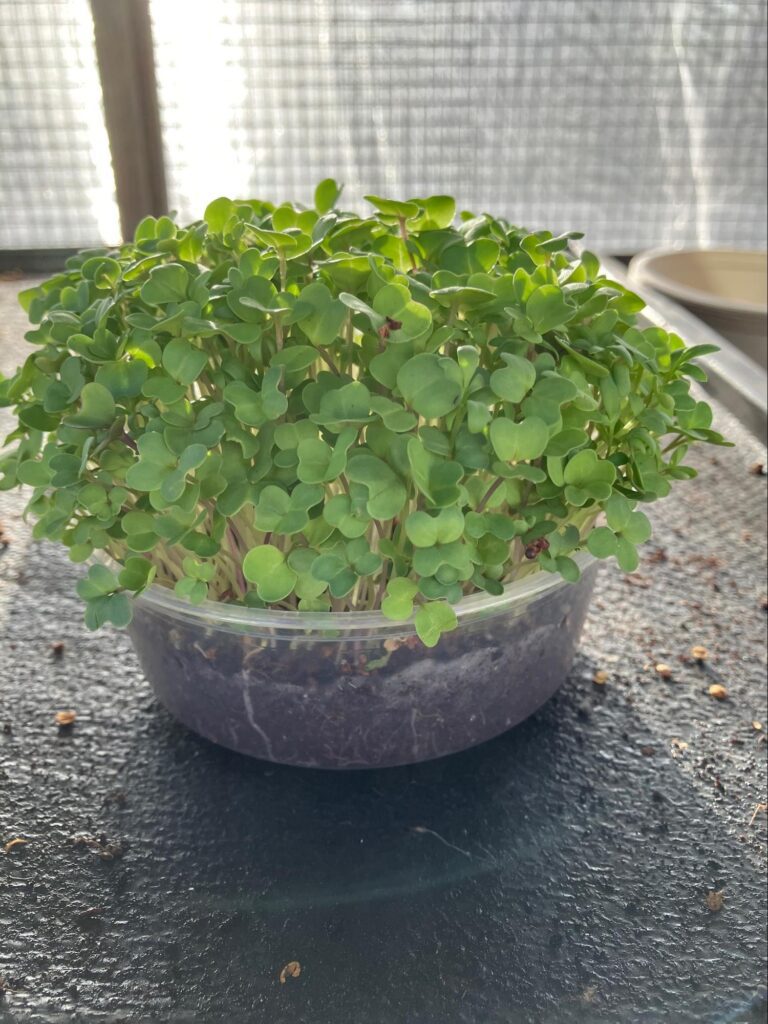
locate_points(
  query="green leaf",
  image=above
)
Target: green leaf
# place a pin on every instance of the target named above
(424, 530)
(434, 619)
(326, 195)
(405, 318)
(618, 509)
(273, 401)
(123, 379)
(97, 407)
(247, 403)
(393, 415)
(348, 404)
(626, 555)
(431, 385)
(282, 513)
(243, 334)
(319, 463)
(102, 270)
(118, 610)
(33, 473)
(327, 317)
(519, 442)
(513, 382)
(183, 361)
(254, 300)
(548, 309)
(393, 209)
(439, 212)
(163, 389)
(136, 574)
(195, 591)
(155, 462)
(357, 305)
(398, 603)
(386, 493)
(587, 477)
(637, 529)
(568, 569)
(217, 213)
(98, 582)
(167, 283)
(564, 442)
(348, 519)
(295, 359)
(387, 364)
(327, 567)
(602, 542)
(265, 566)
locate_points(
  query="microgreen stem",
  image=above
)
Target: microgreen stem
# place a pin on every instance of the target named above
(489, 494)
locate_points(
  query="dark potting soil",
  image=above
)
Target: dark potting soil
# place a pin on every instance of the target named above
(367, 702)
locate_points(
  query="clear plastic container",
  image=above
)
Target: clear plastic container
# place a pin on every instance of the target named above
(355, 690)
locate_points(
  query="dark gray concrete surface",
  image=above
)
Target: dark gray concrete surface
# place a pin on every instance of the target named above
(557, 874)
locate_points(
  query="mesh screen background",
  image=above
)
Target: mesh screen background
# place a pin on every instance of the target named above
(56, 183)
(642, 122)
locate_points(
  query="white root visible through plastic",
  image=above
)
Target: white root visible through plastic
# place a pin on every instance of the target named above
(421, 830)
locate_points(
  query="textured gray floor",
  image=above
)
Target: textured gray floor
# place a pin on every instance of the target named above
(558, 874)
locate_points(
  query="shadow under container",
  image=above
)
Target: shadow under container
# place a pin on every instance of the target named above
(353, 689)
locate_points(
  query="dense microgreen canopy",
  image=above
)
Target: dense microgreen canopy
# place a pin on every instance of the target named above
(315, 410)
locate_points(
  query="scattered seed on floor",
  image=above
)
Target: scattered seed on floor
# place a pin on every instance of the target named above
(757, 726)
(718, 691)
(100, 846)
(699, 653)
(663, 670)
(291, 970)
(634, 579)
(600, 678)
(65, 719)
(57, 649)
(13, 843)
(715, 900)
(659, 555)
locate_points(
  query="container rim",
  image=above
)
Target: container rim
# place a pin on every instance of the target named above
(237, 617)
(644, 271)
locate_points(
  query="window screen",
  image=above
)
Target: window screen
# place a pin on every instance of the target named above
(56, 183)
(642, 122)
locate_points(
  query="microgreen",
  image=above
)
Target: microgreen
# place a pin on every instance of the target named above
(314, 410)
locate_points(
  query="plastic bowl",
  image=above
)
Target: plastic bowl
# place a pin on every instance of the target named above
(355, 690)
(724, 287)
